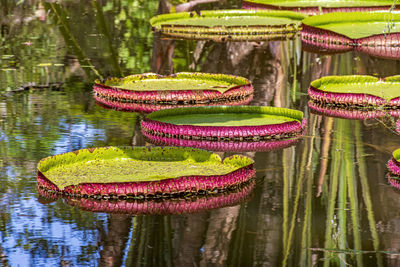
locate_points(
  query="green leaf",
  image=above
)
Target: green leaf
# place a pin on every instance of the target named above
(388, 88)
(356, 25)
(134, 164)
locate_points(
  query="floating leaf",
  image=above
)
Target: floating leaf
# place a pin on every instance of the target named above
(141, 171)
(214, 126)
(229, 25)
(356, 91)
(368, 32)
(314, 7)
(149, 92)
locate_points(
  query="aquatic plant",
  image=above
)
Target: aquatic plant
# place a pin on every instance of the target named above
(366, 32)
(229, 25)
(140, 172)
(180, 205)
(221, 127)
(339, 183)
(149, 92)
(356, 91)
(315, 7)
(394, 163)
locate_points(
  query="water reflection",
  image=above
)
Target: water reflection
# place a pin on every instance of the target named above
(184, 205)
(324, 201)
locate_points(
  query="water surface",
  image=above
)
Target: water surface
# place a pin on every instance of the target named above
(322, 202)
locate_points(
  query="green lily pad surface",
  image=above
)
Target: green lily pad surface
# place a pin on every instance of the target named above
(387, 89)
(227, 116)
(134, 164)
(227, 18)
(323, 3)
(396, 155)
(356, 25)
(226, 119)
(179, 81)
(229, 25)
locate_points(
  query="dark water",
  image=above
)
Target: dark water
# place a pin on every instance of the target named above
(324, 201)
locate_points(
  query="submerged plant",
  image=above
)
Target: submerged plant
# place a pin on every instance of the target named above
(315, 7)
(229, 25)
(360, 31)
(225, 128)
(183, 204)
(338, 186)
(141, 172)
(149, 92)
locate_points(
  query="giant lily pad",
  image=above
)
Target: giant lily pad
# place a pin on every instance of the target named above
(229, 25)
(214, 126)
(394, 168)
(357, 91)
(314, 7)
(368, 32)
(182, 204)
(149, 92)
(141, 171)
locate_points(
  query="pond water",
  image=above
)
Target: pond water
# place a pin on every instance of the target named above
(324, 201)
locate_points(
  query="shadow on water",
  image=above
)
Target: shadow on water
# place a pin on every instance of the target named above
(322, 202)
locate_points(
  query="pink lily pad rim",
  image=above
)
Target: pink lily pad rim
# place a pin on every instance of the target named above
(357, 99)
(295, 127)
(148, 108)
(394, 164)
(244, 146)
(346, 113)
(148, 189)
(164, 206)
(242, 86)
